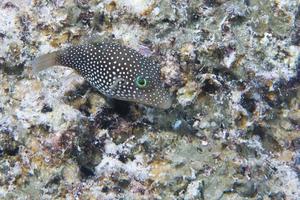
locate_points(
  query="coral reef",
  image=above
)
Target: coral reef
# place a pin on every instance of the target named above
(233, 131)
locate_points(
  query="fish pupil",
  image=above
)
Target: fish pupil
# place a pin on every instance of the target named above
(141, 82)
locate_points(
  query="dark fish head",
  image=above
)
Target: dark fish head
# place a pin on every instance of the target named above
(138, 79)
(150, 89)
(144, 86)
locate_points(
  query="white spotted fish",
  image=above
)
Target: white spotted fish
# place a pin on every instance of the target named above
(115, 70)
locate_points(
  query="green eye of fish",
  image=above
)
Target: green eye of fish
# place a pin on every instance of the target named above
(141, 82)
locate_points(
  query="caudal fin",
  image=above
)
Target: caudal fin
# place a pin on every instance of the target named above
(43, 62)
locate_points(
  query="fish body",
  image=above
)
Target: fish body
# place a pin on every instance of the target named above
(115, 70)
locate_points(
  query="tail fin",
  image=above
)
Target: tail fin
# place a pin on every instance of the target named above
(45, 61)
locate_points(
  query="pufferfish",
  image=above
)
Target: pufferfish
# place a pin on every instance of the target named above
(114, 70)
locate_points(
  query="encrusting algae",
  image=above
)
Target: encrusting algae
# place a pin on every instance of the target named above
(115, 70)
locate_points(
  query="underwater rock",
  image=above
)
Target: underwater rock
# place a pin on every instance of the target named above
(296, 143)
(295, 117)
(8, 146)
(248, 189)
(277, 196)
(232, 132)
(268, 140)
(194, 191)
(188, 94)
(296, 29)
(171, 72)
